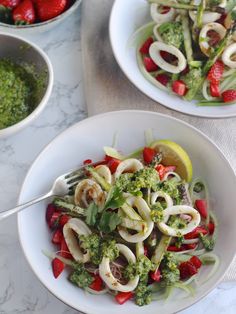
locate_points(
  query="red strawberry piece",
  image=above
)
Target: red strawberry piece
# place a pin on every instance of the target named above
(145, 47)
(57, 267)
(149, 64)
(113, 163)
(196, 261)
(229, 95)
(123, 297)
(97, 283)
(187, 269)
(148, 154)
(47, 10)
(211, 227)
(24, 13)
(190, 246)
(163, 79)
(195, 233)
(54, 221)
(215, 89)
(63, 220)
(179, 87)
(10, 3)
(155, 275)
(49, 212)
(216, 72)
(57, 237)
(64, 251)
(214, 38)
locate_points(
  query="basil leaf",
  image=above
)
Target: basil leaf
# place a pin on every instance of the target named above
(115, 198)
(91, 214)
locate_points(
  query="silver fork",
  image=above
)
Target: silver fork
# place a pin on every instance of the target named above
(61, 186)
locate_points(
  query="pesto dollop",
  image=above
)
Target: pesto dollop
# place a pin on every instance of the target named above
(18, 90)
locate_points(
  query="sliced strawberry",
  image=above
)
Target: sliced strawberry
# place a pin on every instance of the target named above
(148, 154)
(24, 13)
(196, 261)
(187, 269)
(179, 87)
(162, 170)
(63, 220)
(64, 251)
(149, 64)
(173, 248)
(57, 267)
(216, 72)
(49, 212)
(10, 3)
(97, 283)
(87, 161)
(163, 79)
(47, 10)
(155, 275)
(229, 95)
(145, 47)
(195, 233)
(54, 221)
(211, 227)
(215, 89)
(190, 246)
(57, 237)
(123, 297)
(201, 206)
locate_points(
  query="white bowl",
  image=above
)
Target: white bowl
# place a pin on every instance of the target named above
(126, 18)
(42, 26)
(86, 140)
(11, 47)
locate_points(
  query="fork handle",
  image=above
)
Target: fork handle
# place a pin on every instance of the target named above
(17, 209)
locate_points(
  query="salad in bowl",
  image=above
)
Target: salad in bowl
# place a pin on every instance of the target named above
(136, 227)
(189, 49)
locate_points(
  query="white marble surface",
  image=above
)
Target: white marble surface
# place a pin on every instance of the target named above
(20, 291)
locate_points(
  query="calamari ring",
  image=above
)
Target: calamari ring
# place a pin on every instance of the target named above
(226, 56)
(159, 17)
(144, 212)
(109, 279)
(129, 165)
(168, 199)
(155, 53)
(86, 191)
(203, 43)
(75, 225)
(178, 210)
(104, 172)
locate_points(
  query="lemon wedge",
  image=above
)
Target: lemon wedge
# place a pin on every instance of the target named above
(174, 155)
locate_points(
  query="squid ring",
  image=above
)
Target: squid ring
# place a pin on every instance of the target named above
(168, 199)
(226, 56)
(144, 212)
(155, 53)
(109, 279)
(178, 210)
(128, 165)
(204, 45)
(87, 190)
(104, 172)
(75, 225)
(161, 17)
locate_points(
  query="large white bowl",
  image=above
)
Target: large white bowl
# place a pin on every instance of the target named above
(126, 18)
(86, 140)
(20, 50)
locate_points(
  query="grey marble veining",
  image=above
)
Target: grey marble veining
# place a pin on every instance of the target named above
(20, 290)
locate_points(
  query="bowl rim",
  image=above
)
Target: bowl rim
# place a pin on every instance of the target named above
(142, 90)
(93, 118)
(37, 25)
(41, 105)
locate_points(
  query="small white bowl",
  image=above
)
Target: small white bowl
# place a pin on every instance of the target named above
(40, 27)
(86, 140)
(11, 47)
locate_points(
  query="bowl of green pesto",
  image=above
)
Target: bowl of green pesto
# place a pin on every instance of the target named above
(26, 80)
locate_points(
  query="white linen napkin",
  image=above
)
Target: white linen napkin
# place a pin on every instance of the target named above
(107, 89)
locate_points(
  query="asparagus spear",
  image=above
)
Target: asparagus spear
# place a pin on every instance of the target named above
(172, 4)
(212, 59)
(187, 36)
(200, 11)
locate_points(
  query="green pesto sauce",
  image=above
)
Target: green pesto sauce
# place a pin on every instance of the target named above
(20, 90)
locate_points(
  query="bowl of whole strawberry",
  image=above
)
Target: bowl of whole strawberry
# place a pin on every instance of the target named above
(34, 14)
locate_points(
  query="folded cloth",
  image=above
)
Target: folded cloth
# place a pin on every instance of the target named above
(107, 89)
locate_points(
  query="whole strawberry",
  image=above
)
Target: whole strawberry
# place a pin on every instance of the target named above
(24, 13)
(47, 10)
(10, 3)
